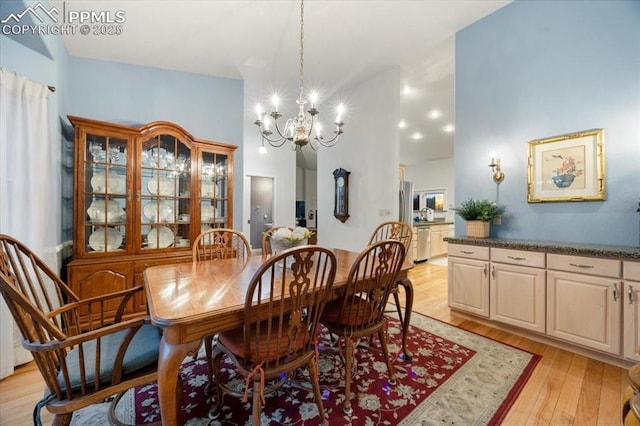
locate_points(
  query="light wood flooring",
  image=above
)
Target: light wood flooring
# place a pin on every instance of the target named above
(564, 389)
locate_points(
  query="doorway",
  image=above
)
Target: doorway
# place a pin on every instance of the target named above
(261, 200)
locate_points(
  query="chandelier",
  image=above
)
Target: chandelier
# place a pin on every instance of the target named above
(297, 130)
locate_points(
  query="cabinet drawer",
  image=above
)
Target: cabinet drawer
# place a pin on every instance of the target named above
(469, 252)
(141, 265)
(631, 271)
(584, 265)
(518, 257)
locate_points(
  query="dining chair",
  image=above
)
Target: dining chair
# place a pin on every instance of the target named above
(220, 243)
(400, 231)
(82, 363)
(266, 239)
(282, 307)
(360, 311)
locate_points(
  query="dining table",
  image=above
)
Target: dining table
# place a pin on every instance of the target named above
(192, 300)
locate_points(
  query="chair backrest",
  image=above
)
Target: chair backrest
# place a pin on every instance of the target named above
(221, 243)
(370, 280)
(32, 292)
(286, 297)
(266, 239)
(393, 230)
(70, 355)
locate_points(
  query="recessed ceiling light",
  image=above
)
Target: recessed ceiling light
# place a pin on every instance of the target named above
(416, 135)
(402, 124)
(435, 114)
(406, 89)
(448, 128)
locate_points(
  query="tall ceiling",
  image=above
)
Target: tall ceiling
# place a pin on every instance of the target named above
(345, 41)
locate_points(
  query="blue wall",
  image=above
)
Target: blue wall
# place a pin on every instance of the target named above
(209, 108)
(537, 69)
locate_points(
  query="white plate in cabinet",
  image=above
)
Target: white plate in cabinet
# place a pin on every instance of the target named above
(585, 310)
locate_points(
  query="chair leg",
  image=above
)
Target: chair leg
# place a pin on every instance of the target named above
(257, 404)
(312, 367)
(396, 299)
(215, 368)
(348, 361)
(208, 346)
(385, 351)
(62, 419)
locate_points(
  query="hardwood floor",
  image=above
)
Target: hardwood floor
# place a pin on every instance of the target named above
(564, 389)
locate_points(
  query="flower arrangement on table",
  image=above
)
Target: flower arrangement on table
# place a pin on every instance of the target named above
(285, 238)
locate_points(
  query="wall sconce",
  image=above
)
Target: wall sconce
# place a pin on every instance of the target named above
(498, 176)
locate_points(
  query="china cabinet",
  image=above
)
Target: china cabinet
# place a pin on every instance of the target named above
(141, 195)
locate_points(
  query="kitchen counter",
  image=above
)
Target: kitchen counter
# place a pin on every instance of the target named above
(597, 250)
(423, 223)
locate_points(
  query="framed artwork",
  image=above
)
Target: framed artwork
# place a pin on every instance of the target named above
(567, 168)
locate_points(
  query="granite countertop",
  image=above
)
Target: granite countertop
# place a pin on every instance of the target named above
(423, 223)
(597, 250)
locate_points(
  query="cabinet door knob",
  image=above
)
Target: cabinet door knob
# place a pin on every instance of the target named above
(630, 294)
(615, 292)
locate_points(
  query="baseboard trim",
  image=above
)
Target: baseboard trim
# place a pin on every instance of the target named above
(599, 356)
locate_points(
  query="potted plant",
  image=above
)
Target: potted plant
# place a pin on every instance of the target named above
(478, 214)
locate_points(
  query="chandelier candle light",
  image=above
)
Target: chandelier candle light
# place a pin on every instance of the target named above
(297, 130)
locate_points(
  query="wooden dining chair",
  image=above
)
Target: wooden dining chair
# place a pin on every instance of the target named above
(282, 307)
(266, 239)
(360, 311)
(81, 363)
(220, 243)
(400, 231)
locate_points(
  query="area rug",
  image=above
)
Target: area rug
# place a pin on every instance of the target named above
(455, 377)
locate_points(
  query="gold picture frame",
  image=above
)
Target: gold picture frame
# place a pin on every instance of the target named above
(567, 168)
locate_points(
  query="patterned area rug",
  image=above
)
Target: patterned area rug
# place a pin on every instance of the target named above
(456, 377)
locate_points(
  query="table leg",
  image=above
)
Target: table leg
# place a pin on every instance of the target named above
(169, 361)
(408, 292)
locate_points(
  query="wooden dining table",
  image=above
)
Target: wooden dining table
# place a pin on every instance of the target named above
(189, 301)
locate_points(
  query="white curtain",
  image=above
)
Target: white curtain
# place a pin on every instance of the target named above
(29, 187)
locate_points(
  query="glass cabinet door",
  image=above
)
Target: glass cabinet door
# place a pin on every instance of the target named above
(105, 193)
(214, 190)
(165, 193)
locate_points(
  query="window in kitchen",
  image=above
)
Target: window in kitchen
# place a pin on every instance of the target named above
(435, 200)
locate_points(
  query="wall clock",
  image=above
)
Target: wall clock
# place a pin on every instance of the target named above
(341, 194)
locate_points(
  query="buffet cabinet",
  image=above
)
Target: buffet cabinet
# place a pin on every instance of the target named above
(583, 300)
(141, 196)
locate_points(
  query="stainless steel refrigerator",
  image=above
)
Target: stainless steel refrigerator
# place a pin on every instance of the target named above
(406, 202)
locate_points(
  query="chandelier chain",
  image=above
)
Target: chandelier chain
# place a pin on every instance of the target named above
(301, 48)
(298, 129)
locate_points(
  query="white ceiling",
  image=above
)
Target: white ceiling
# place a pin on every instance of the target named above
(345, 41)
